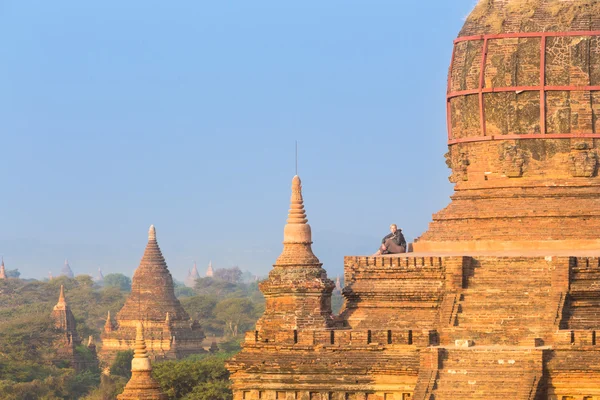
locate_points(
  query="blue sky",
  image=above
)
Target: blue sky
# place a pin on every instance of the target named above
(116, 115)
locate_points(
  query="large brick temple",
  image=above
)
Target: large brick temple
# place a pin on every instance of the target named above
(169, 331)
(501, 298)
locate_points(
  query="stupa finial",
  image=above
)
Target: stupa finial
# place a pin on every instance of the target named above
(108, 326)
(152, 233)
(61, 296)
(140, 361)
(297, 229)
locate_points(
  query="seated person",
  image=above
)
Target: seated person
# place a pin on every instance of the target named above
(392, 243)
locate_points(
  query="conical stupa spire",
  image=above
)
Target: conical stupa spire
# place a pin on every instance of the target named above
(63, 317)
(61, 296)
(297, 291)
(141, 385)
(209, 271)
(2, 270)
(297, 236)
(152, 291)
(108, 326)
(66, 270)
(297, 215)
(140, 362)
(152, 233)
(194, 274)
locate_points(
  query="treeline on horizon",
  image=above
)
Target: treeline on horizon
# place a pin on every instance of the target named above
(225, 305)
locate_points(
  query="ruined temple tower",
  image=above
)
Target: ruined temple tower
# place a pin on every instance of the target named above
(66, 270)
(141, 385)
(68, 339)
(501, 298)
(2, 270)
(170, 333)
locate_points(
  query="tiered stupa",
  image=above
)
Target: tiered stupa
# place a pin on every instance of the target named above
(66, 270)
(2, 270)
(142, 385)
(100, 276)
(209, 271)
(170, 333)
(68, 340)
(501, 298)
(192, 277)
(297, 291)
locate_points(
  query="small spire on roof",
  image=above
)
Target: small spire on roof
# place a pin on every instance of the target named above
(108, 326)
(140, 361)
(297, 230)
(152, 233)
(61, 296)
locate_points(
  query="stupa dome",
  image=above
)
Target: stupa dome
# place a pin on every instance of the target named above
(523, 108)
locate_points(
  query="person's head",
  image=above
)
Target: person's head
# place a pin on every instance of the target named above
(393, 228)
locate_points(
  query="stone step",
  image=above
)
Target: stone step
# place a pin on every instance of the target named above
(487, 374)
(489, 335)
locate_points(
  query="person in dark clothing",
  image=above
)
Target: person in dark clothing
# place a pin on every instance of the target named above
(392, 243)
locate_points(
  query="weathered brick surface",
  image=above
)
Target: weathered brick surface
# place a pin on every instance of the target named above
(503, 182)
(169, 332)
(475, 313)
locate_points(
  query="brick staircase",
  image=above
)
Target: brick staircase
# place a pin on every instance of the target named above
(488, 374)
(506, 301)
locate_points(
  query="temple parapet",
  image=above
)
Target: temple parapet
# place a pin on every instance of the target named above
(344, 337)
(400, 292)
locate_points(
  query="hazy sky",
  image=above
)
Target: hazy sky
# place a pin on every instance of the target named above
(115, 115)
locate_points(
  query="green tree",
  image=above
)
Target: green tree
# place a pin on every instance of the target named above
(121, 366)
(13, 273)
(236, 314)
(118, 280)
(180, 379)
(231, 275)
(216, 390)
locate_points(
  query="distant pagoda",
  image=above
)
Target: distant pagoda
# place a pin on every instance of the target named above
(209, 271)
(100, 276)
(66, 270)
(64, 322)
(193, 276)
(2, 270)
(170, 333)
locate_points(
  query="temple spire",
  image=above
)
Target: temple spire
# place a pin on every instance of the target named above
(297, 291)
(61, 297)
(108, 326)
(140, 361)
(66, 270)
(152, 233)
(141, 385)
(2, 270)
(297, 236)
(297, 229)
